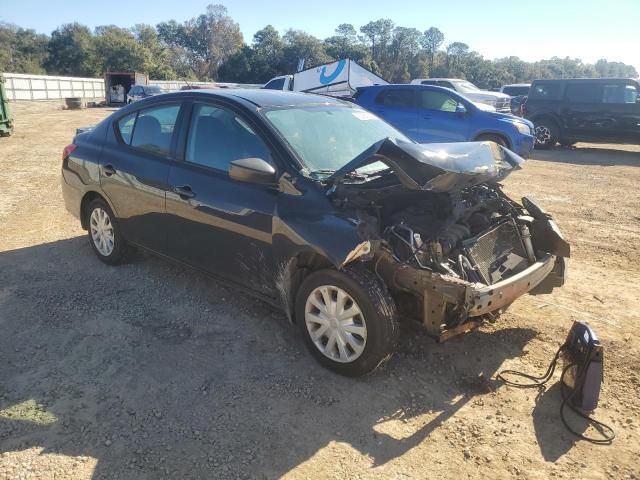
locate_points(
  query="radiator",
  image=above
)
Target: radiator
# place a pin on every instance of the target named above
(497, 253)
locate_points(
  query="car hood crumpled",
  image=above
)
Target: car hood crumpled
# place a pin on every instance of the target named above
(437, 167)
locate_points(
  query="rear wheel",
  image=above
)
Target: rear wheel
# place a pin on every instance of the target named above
(546, 132)
(104, 235)
(347, 319)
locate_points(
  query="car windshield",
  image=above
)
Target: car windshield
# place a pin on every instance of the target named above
(152, 89)
(466, 87)
(327, 137)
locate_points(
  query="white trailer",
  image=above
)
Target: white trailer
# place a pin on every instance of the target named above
(338, 79)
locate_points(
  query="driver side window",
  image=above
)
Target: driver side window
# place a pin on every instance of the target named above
(217, 136)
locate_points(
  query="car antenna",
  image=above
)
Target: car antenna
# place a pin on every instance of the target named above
(188, 84)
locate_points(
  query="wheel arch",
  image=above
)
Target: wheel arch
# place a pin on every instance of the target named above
(292, 272)
(546, 116)
(87, 198)
(496, 133)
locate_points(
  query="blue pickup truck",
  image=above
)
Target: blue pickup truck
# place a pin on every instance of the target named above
(430, 114)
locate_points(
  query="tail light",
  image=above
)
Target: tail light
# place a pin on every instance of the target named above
(68, 150)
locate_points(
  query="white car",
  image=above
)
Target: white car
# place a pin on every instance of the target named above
(497, 100)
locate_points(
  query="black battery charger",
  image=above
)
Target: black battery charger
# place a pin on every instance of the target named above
(580, 381)
(582, 374)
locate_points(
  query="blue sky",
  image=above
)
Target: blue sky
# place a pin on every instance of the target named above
(530, 29)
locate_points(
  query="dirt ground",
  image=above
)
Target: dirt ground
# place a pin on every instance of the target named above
(149, 370)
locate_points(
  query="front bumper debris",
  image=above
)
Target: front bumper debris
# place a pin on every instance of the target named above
(439, 295)
(494, 297)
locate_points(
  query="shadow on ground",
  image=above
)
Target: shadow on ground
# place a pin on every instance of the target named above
(588, 156)
(158, 371)
(552, 437)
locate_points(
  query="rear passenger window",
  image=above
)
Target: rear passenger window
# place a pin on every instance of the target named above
(620, 93)
(396, 98)
(153, 129)
(584, 92)
(218, 136)
(125, 127)
(546, 91)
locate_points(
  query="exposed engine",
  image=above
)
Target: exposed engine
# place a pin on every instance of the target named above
(476, 234)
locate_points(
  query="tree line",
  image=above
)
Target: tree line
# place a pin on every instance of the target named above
(211, 47)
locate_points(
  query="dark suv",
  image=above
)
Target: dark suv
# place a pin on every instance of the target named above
(605, 110)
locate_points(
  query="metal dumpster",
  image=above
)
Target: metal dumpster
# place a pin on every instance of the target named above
(6, 124)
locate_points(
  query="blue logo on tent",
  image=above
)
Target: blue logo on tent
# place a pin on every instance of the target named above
(324, 79)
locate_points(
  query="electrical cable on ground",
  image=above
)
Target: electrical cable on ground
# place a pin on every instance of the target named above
(607, 433)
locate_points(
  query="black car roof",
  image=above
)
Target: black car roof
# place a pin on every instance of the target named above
(585, 80)
(265, 98)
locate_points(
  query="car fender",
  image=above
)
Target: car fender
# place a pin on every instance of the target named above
(81, 169)
(493, 131)
(309, 234)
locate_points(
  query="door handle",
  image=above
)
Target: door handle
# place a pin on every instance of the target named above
(108, 170)
(185, 192)
(427, 117)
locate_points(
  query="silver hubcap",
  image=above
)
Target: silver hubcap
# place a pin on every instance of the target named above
(335, 323)
(543, 134)
(102, 231)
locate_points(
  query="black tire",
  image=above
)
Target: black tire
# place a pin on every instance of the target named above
(547, 133)
(490, 137)
(378, 311)
(120, 251)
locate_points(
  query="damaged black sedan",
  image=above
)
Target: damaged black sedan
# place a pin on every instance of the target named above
(318, 206)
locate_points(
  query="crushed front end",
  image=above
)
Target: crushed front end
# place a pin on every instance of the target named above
(466, 271)
(449, 244)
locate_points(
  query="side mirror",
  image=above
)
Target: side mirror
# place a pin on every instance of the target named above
(252, 170)
(461, 109)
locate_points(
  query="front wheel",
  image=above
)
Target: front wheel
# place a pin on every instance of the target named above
(347, 319)
(104, 235)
